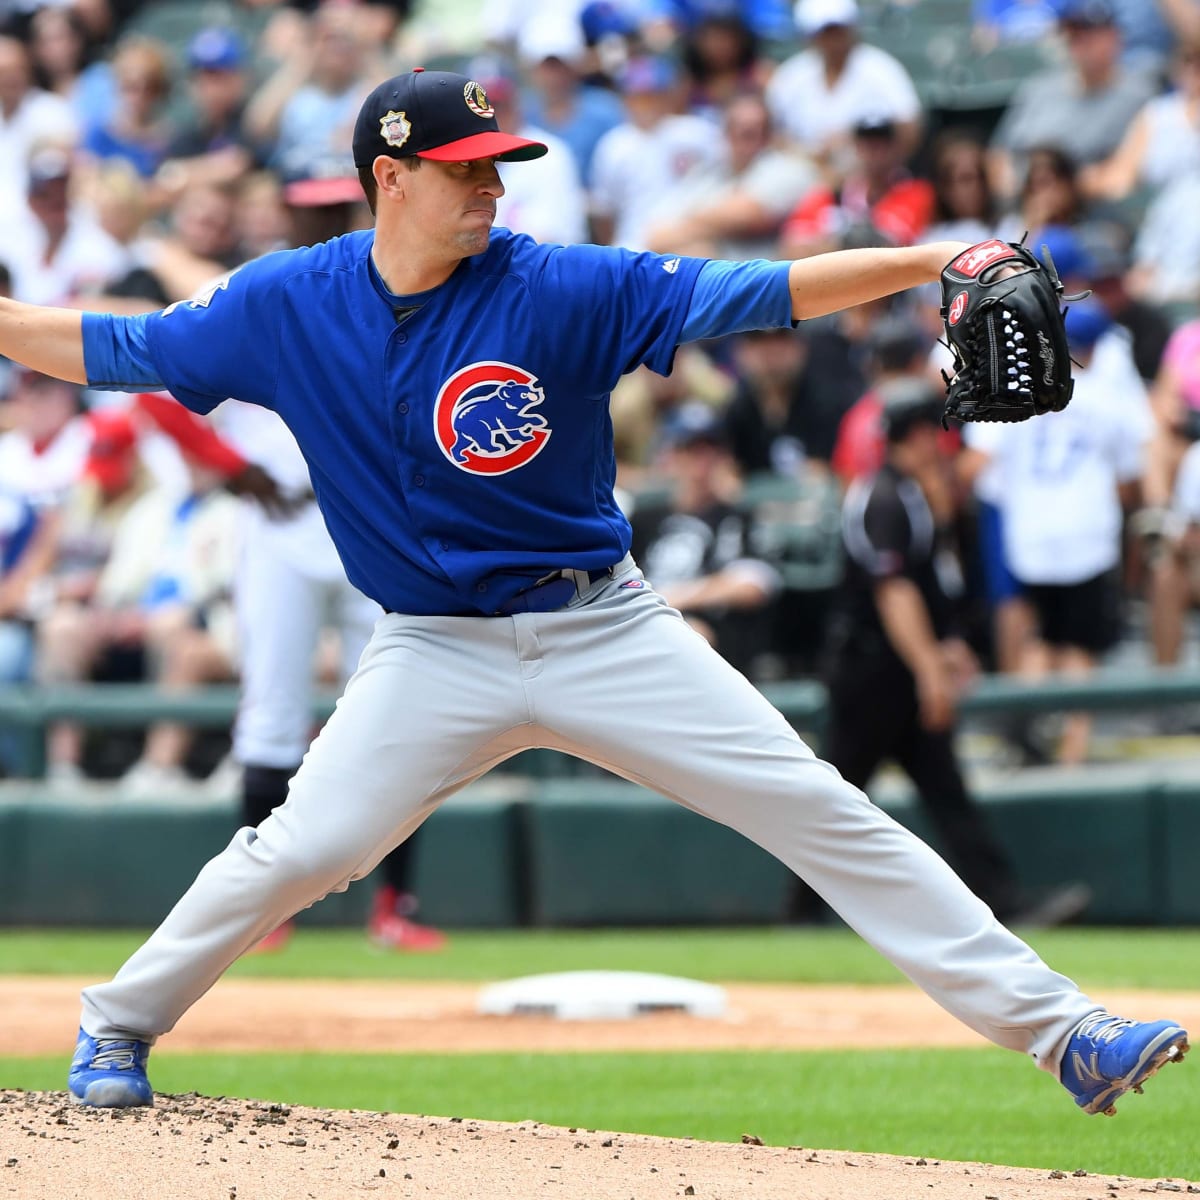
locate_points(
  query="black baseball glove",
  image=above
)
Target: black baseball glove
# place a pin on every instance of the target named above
(1002, 311)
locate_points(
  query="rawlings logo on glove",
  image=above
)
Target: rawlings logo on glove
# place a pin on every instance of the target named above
(1001, 307)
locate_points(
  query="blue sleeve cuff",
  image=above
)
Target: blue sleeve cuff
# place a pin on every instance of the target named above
(115, 355)
(732, 297)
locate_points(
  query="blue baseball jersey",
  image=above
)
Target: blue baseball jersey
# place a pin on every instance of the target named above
(459, 440)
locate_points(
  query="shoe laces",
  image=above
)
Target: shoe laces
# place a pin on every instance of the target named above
(1103, 1028)
(113, 1055)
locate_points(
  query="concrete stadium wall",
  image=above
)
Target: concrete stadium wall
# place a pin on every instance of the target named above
(513, 850)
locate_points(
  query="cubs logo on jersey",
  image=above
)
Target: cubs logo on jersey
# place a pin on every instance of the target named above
(486, 421)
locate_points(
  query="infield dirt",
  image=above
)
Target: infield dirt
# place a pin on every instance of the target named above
(195, 1148)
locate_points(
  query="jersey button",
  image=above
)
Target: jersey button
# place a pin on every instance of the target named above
(419, 480)
(481, 587)
(402, 337)
(402, 409)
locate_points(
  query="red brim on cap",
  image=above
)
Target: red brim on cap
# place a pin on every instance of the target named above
(314, 193)
(492, 144)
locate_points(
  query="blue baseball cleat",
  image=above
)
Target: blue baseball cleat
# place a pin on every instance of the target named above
(1108, 1056)
(110, 1073)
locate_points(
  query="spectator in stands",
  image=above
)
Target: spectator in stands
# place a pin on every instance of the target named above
(1050, 195)
(1166, 251)
(262, 220)
(1175, 401)
(734, 209)
(322, 206)
(111, 479)
(696, 549)
(643, 399)
(548, 202)
(43, 450)
(122, 209)
(163, 595)
(304, 110)
(722, 59)
(1162, 143)
(1086, 105)
(67, 63)
(650, 152)
(27, 540)
(40, 454)
(879, 204)
(898, 358)
(965, 207)
(559, 101)
(524, 28)
(793, 387)
(820, 95)
(1106, 251)
(113, 476)
(213, 147)
(1175, 566)
(28, 116)
(1065, 482)
(137, 129)
(203, 243)
(62, 252)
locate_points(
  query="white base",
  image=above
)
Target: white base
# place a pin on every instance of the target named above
(600, 996)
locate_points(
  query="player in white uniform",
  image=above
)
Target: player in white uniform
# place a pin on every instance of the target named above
(290, 584)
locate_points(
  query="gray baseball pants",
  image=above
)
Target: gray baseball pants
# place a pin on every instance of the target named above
(617, 678)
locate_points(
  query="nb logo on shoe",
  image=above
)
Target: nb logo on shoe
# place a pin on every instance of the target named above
(1088, 1072)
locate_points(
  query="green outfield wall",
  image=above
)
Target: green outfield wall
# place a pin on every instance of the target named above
(593, 850)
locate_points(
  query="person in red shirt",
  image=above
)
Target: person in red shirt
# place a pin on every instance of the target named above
(879, 204)
(899, 351)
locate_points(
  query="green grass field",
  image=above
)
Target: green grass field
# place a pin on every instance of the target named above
(1097, 958)
(973, 1104)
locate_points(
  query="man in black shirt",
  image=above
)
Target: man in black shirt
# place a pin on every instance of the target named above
(898, 666)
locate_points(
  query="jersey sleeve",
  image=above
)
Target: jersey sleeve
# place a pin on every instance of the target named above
(224, 342)
(732, 297)
(613, 310)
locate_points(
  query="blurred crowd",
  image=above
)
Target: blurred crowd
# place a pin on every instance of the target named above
(148, 148)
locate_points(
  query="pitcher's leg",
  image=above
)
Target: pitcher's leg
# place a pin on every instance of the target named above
(659, 706)
(399, 742)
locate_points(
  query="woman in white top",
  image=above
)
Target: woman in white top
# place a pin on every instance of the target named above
(1162, 143)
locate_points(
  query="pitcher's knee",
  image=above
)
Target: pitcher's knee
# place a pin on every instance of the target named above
(301, 862)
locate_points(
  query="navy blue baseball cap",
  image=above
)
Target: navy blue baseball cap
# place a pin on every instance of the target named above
(437, 115)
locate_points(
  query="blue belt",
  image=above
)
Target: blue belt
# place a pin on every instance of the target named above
(554, 590)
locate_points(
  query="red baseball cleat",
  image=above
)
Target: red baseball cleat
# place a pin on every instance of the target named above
(386, 926)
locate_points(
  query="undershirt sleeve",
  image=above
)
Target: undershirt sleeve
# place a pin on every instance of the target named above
(732, 297)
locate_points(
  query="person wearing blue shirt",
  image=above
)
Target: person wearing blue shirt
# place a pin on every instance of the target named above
(448, 385)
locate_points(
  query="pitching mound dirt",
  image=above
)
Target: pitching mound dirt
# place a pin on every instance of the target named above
(193, 1148)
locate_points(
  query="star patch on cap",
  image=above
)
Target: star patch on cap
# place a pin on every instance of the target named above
(394, 128)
